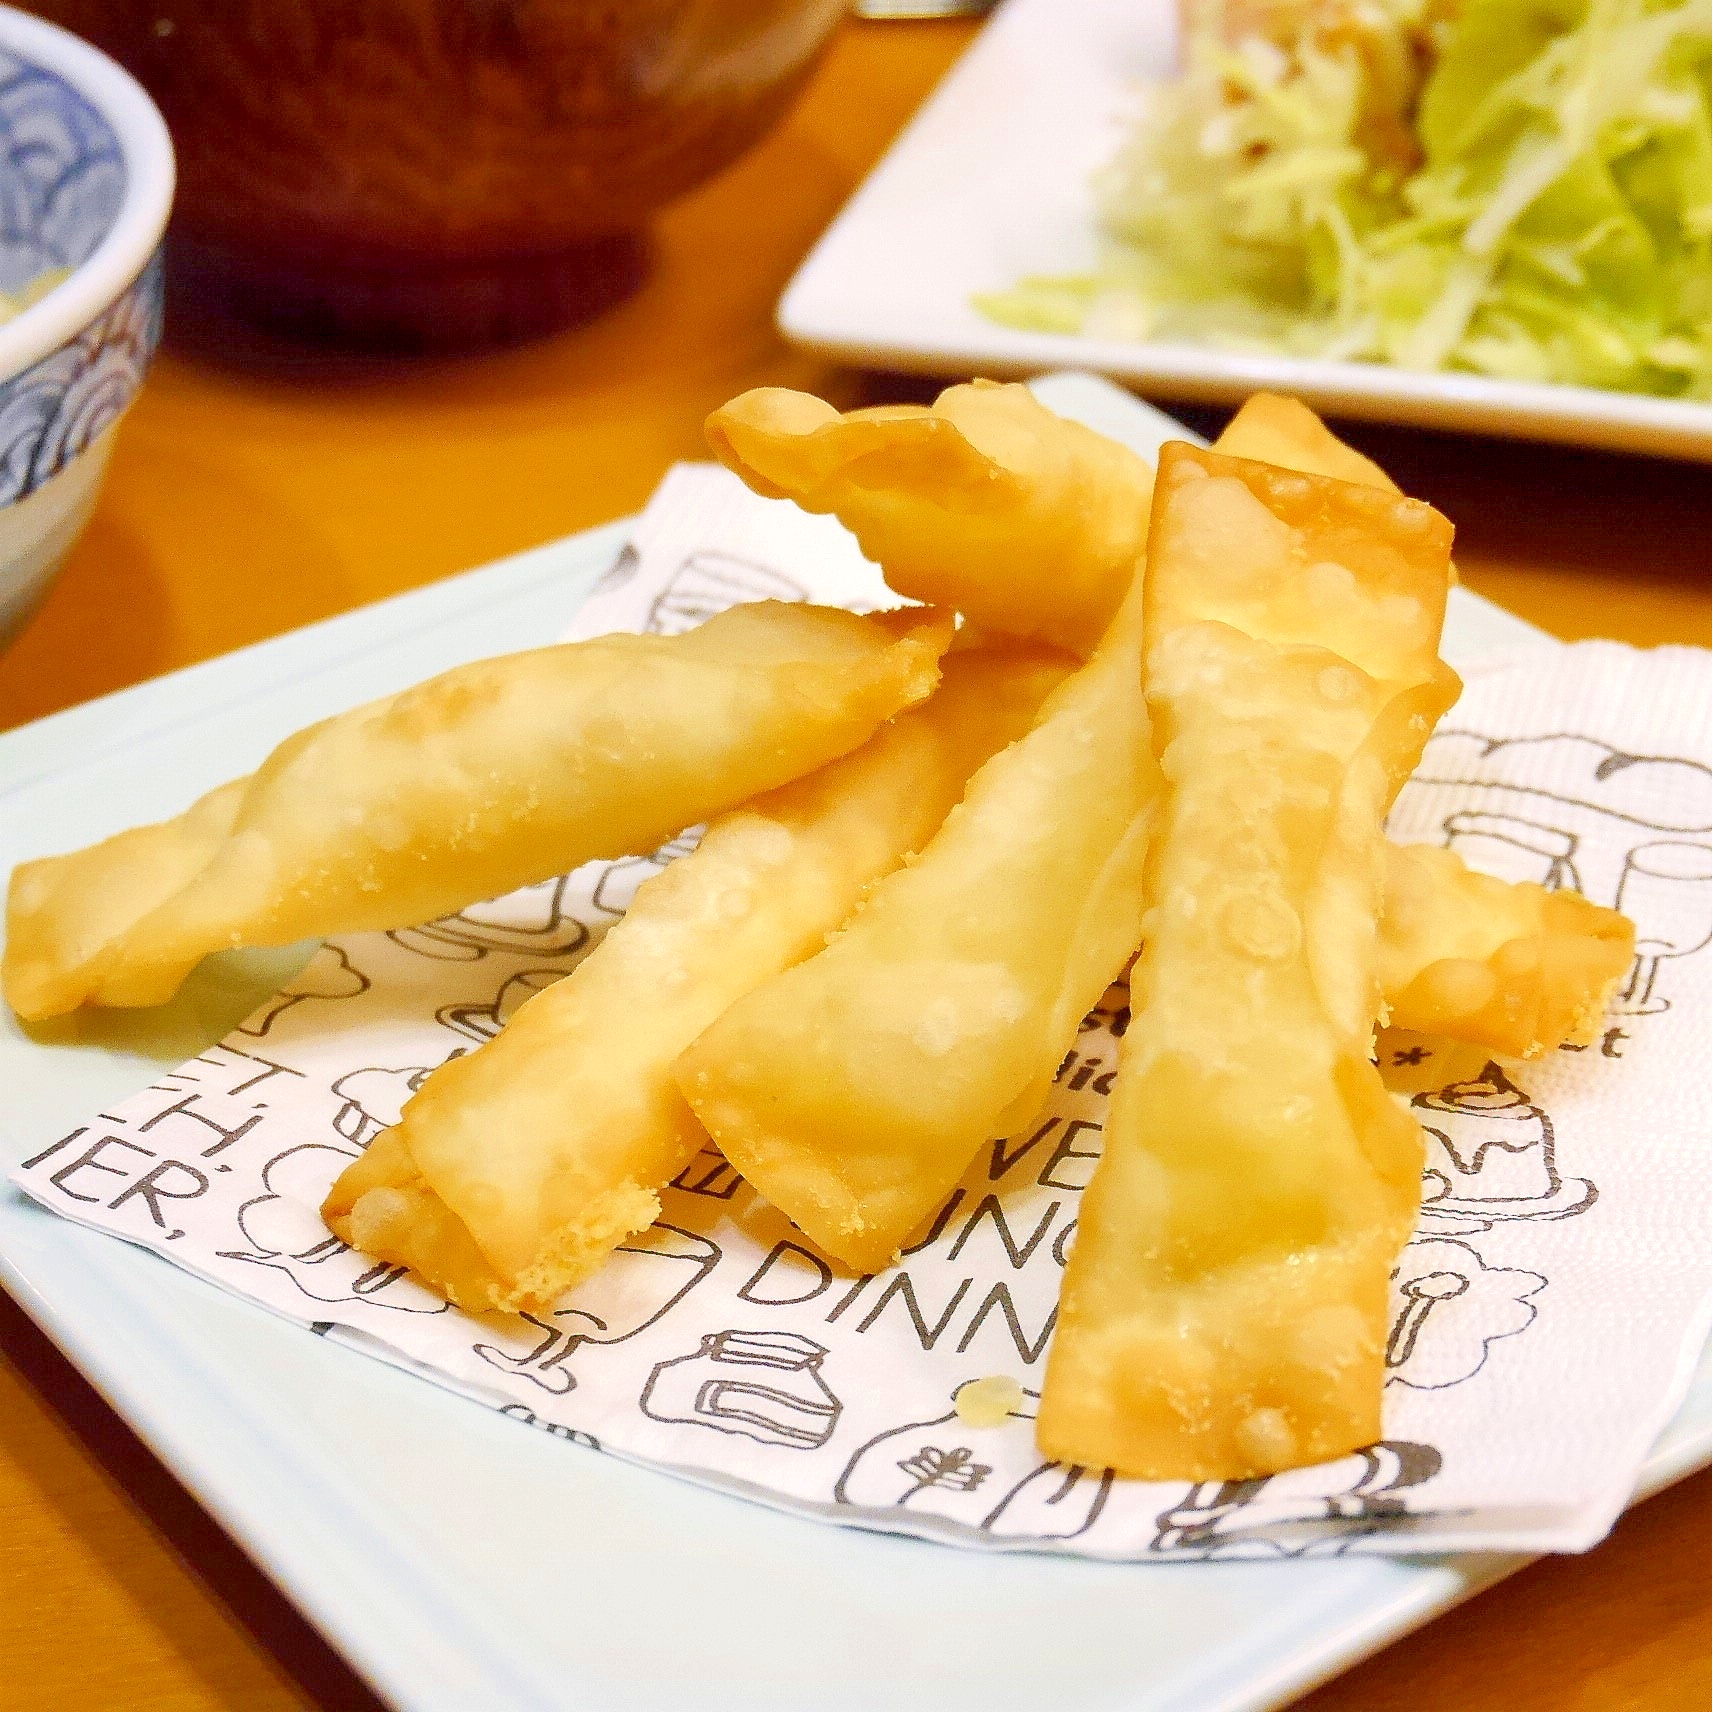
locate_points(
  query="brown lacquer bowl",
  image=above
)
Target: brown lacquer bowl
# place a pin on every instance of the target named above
(442, 172)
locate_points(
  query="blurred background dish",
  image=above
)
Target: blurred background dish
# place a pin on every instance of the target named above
(86, 181)
(994, 182)
(435, 173)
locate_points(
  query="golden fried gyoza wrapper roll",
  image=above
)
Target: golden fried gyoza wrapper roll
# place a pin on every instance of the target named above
(405, 1222)
(852, 1090)
(489, 777)
(1511, 967)
(1224, 1308)
(518, 1169)
(986, 501)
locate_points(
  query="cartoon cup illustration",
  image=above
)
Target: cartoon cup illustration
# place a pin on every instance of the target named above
(534, 920)
(1514, 849)
(482, 1022)
(1666, 890)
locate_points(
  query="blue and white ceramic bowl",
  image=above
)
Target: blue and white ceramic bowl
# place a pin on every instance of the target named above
(86, 179)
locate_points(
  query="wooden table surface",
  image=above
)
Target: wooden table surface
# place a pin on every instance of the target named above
(257, 487)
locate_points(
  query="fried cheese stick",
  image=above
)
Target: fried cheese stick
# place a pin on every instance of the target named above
(518, 1169)
(489, 777)
(1223, 1313)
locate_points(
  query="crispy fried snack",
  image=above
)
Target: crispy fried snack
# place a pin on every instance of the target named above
(402, 1220)
(1223, 1311)
(518, 1169)
(852, 1090)
(1026, 523)
(489, 777)
(1511, 967)
(1462, 955)
(1270, 429)
(91, 896)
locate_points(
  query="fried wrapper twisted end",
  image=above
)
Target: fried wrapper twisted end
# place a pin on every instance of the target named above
(1462, 955)
(1508, 966)
(516, 1170)
(1270, 429)
(1224, 1308)
(1028, 524)
(853, 1090)
(489, 777)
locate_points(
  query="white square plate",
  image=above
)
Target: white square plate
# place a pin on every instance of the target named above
(991, 183)
(461, 1560)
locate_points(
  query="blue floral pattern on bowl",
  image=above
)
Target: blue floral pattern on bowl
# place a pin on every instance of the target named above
(62, 179)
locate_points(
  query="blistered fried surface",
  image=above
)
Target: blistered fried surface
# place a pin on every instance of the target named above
(1511, 967)
(1027, 523)
(1461, 955)
(492, 776)
(549, 1146)
(1291, 558)
(1223, 1312)
(853, 1090)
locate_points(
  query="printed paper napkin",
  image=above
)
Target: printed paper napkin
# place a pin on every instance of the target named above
(1546, 1317)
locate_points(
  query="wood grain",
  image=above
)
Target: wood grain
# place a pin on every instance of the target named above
(258, 486)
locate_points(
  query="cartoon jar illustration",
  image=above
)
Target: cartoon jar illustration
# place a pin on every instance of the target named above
(763, 1385)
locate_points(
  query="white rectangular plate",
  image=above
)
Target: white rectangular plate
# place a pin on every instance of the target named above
(990, 183)
(460, 1559)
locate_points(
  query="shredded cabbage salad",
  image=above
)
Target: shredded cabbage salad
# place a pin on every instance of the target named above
(1523, 190)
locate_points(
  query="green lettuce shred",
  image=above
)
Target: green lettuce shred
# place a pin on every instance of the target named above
(1548, 217)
